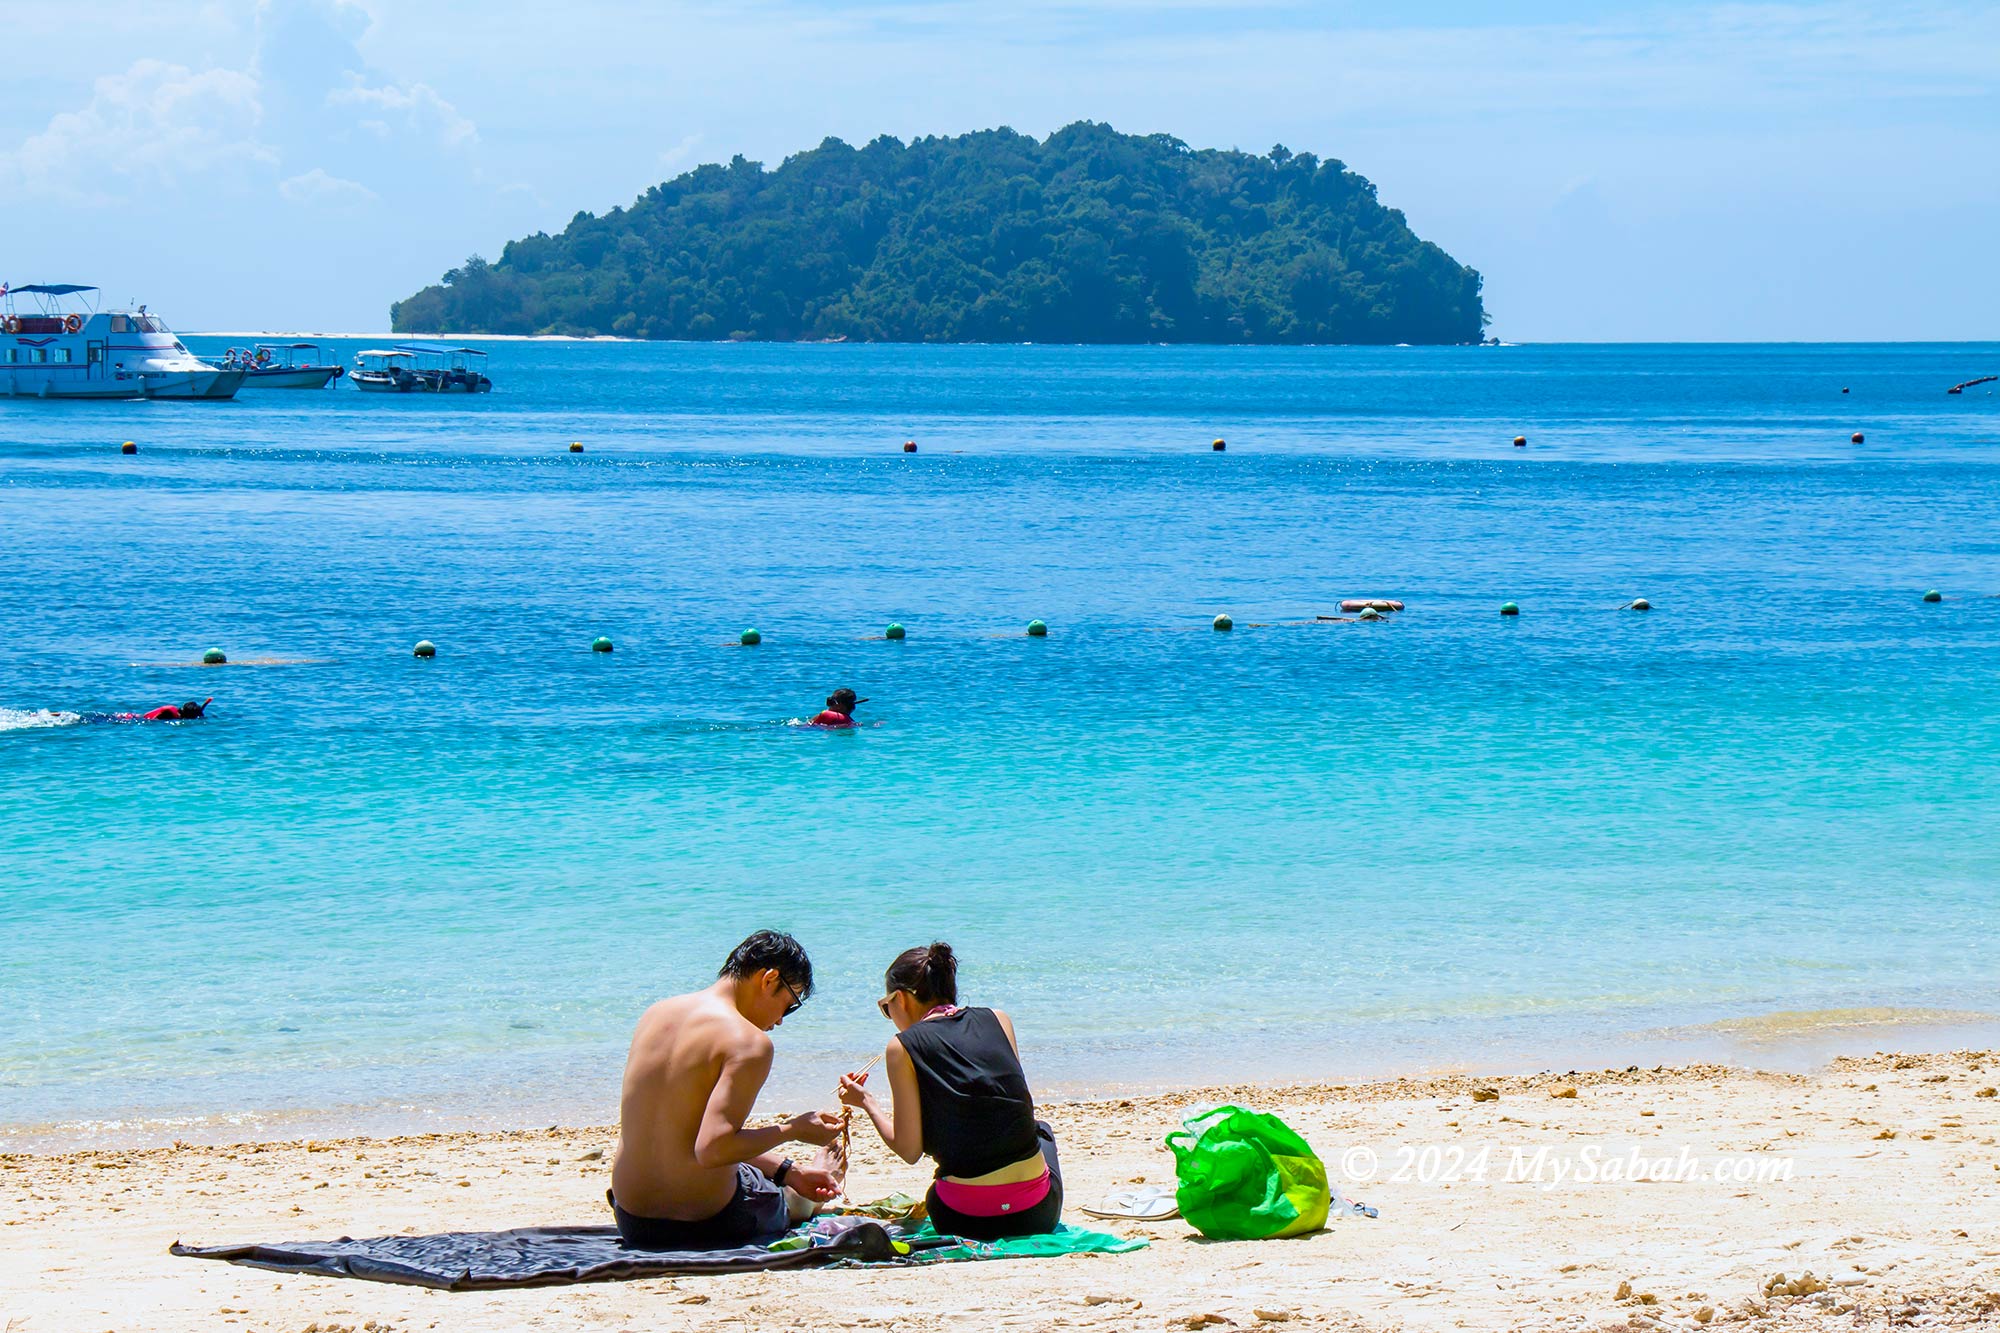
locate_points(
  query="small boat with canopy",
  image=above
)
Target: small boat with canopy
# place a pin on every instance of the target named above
(448, 369)
(421, 368)
(283, 366)
(385, 370)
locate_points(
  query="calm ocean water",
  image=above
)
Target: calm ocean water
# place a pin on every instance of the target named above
(373, 890)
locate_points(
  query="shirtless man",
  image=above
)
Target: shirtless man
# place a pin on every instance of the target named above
(688, 1175)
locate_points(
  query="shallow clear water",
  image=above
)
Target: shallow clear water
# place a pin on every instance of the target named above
(444, 890)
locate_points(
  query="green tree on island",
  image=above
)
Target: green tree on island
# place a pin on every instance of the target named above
(1089, 236)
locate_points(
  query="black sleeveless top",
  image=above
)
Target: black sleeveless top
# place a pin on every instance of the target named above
(977, 1112)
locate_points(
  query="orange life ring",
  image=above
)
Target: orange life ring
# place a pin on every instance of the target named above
(13, 324)
(72, 323)
(1353, 604)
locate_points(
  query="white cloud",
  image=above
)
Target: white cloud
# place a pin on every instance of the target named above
(416, 108)
(681, 151)
(156, 124)
(318, 187)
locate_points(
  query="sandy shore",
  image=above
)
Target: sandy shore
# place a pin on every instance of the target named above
(1893, 1200)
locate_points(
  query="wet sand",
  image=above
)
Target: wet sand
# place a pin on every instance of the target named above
(1892, 1202)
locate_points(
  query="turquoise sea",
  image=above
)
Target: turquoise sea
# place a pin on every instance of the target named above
(375, 892)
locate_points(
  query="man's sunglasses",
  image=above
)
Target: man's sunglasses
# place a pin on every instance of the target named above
(798, 1000)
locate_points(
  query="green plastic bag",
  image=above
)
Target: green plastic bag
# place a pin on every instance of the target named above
(1245, 1175)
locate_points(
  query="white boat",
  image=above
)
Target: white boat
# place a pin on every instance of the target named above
(65, 348)
(283, 366)
(386, 370)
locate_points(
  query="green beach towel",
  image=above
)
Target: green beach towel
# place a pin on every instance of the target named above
(1247, 1175)
(1063, 1240)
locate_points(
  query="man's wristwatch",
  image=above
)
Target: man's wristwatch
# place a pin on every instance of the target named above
(784, 1169)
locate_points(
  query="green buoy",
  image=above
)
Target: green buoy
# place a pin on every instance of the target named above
(1641, 604)
(1370, 613)
(600, 644)
(1509, 609)
(1037, 630)
(895, 631)
(1223, 622)
(425, 648)
(1934, 596)
(214, 657)
(750, 638)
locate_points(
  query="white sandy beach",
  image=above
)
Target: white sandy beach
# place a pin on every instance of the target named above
(1892, 1201)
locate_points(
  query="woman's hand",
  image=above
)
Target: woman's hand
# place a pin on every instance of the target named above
(854, 1091)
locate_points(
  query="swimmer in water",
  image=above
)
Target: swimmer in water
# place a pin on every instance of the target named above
(186, 712)
(839, 709)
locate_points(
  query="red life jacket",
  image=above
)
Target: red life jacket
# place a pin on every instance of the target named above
(829, 718)
(166, 713)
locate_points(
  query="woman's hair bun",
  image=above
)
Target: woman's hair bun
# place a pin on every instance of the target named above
(929, 973)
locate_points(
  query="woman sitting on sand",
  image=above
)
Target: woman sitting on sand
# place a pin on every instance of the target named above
(958, 1093)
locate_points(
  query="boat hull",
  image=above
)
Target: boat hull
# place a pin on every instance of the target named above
(43, 385)
(202, 385)
(368, 383)
(299, 377)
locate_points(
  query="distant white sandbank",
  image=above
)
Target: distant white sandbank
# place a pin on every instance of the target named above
(278, 335)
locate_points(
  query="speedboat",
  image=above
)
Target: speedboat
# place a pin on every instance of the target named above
(385, 370)
(447, 369)
(283, 366)
(67, 348)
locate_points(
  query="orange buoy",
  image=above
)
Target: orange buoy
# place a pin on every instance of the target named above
(1219, 446)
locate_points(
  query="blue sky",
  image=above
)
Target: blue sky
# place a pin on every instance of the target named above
(1673, 172)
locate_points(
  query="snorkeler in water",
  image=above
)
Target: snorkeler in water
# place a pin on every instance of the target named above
(839, 711)
(186, 712)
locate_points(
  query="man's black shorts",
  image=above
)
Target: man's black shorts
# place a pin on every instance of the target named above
(755, 1216)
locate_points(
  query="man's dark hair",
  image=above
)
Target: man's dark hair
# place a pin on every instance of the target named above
(771, 948)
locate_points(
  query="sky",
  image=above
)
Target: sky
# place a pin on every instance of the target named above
(1681, 172)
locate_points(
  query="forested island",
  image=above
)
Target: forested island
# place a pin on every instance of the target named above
(1088, 236)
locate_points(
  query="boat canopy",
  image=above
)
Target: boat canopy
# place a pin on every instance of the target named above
(54, 288)
(439, 349)
(294, 347)
(383, 351)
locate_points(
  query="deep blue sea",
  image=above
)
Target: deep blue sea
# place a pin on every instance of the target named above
(380, 892)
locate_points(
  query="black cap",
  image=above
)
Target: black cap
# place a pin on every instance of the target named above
(843, 700)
